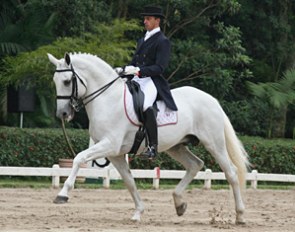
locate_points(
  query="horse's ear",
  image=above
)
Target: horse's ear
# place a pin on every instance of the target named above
(67, 58)
(52, 59)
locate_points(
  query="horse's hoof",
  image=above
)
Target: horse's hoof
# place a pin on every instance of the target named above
(60, 200)
(240, 222)
(135, 218)
(137, 215)
(180, 210)
(240, 219)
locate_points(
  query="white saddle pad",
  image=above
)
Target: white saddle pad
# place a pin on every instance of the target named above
(165, 116)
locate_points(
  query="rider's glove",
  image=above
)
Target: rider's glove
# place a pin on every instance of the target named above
(131, 70)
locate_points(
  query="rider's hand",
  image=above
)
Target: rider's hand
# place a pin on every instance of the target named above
(131, 70)
(118, 70)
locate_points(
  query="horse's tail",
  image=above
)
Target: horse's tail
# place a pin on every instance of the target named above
(236, 152)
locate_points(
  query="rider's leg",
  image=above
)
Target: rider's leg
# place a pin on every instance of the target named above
(152, 132)
(150, 93)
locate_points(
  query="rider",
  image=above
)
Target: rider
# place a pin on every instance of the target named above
(150, 60)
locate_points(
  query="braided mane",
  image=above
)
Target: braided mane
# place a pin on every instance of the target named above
(94, 59)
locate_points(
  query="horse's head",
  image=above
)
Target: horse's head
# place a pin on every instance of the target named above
(69, 86)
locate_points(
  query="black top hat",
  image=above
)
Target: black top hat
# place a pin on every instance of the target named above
(153, 11)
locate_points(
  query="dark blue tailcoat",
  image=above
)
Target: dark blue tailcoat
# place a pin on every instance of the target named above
(152, 57)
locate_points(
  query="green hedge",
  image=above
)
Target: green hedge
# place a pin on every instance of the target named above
(271, 155)
(266, 156)
(43, 148)
(38, 147)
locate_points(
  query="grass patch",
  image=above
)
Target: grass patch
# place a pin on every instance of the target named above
(275, 185)
(45, 182)
(20, 182)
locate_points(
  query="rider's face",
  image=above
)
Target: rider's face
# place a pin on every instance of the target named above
(150, 22)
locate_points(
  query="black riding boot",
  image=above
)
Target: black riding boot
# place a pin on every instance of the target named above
(152, 132)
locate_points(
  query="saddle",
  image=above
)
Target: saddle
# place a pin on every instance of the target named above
(137, 97)
(133, 100)
(138, 100)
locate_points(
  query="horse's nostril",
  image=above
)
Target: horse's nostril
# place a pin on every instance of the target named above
(62, 115)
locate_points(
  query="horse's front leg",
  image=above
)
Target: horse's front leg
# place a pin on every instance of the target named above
(121, 165)
(62, 196)
(99, 150)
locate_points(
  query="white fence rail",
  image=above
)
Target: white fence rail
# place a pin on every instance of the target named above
(111, 174)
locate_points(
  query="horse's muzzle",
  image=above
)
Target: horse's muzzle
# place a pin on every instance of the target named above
(67, 115)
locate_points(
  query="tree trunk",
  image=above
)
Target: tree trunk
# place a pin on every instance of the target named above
(279, 119)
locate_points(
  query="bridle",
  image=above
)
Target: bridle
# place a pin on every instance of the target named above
(78, 103)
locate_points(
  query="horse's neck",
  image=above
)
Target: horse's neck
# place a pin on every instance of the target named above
(105, 112)
(96, 71)
(110, 100)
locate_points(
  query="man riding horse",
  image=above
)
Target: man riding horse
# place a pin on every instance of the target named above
(148, 64)
(88, 81)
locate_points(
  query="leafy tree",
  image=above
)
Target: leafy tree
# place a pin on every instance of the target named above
(218, 67)
(268, 28)
(76, 17)
(279, 95)
(24, 27)
(8, 45)
(108, 42)
(206, 53)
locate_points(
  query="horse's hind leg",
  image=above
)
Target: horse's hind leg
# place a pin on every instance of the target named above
(231, 173)
(121, 165)
(192, 165)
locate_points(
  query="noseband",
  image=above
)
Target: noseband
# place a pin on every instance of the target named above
(78, 103)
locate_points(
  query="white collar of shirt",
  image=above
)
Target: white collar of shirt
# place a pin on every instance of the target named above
(149, 34)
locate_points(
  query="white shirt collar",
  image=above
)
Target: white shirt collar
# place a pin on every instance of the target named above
(149, 34)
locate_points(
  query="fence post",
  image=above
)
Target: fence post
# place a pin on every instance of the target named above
(55, 178)
(207, 182)
(107, 179)
(254, 182)
(156, 181)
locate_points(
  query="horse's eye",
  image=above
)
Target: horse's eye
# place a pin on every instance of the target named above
(67, 82)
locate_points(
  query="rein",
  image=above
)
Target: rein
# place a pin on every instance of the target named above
(78, 103)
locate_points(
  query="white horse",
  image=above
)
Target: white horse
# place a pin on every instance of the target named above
(89, 79)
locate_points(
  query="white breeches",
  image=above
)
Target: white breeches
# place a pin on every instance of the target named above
(149, 89)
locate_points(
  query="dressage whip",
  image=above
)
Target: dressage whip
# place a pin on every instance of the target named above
(67, 138)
